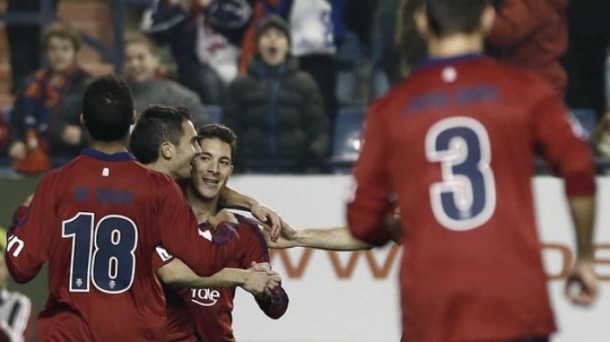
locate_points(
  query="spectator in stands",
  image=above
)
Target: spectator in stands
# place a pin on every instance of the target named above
(23, 42)
(532, 34)
(317, 28)
(15, 308)
(206, 54)
(275, 108)
(45, 119)
(141, 67)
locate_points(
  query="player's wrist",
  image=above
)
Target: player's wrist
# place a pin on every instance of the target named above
(301, 238)
(242, 277)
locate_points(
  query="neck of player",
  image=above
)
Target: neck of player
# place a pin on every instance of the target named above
(108, 147)
(202, 207)
(455, 45)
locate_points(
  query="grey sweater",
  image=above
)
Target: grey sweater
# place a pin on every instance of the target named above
(168, 93)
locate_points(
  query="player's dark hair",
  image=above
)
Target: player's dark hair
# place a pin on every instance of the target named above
(108, 108)
(156, 125)
(220, 132)
(447, 17)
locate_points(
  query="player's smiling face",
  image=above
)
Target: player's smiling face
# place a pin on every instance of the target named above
(212, 168)
(185, 151)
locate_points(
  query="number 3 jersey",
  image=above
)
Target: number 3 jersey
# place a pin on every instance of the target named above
(456, 144)
(97, 221)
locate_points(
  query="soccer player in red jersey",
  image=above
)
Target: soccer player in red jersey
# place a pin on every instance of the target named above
(455, 143)
(155, 141)
(97, 221)
(209, 309)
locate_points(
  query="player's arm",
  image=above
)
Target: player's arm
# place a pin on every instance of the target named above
(335, 238)
(178, 232)
(368, 211)
(176, 273)
(26, 252)
(568, 152)
(232, 199)
(582, 209)
(274, 301)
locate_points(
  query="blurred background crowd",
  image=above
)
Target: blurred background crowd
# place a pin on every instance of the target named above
(292, 78)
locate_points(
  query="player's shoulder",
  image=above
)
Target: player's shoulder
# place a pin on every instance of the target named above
(394, 98)
(249, 225)
(247, 222)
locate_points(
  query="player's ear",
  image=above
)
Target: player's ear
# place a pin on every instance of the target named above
(166, 150)
(421, 22)
(133, 117)
(487, 19)
(81, 118)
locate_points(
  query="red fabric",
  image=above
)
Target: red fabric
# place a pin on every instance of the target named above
(212, 308)
(3, 133)
(89, 190)
(480, 276)
(533, 34)
(249, 44)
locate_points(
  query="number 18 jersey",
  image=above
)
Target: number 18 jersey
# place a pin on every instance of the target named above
(97, 221)
(456, 144)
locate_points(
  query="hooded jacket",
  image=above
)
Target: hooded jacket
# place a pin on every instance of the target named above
(278, 116)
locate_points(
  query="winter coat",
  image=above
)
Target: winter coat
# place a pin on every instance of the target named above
(278, 116)
(168, 93)
(48, 109)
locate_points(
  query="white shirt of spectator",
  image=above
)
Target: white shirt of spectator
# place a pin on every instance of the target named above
(312, 28)
(215, 50)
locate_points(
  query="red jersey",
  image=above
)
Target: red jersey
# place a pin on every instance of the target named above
(210, 310)
(455, 143)
(97, 221)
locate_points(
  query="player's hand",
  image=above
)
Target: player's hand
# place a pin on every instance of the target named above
(287, 239)
(17, 150)
(256, 282)
(269, 217)
(72, 135)
(581, 285)
(275, 280)
(392, 222)
(222, 216)
(261, 279)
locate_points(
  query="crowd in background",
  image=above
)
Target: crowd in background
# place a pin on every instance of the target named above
(279, 71)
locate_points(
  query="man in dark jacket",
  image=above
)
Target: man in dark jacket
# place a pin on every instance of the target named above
(276, 109)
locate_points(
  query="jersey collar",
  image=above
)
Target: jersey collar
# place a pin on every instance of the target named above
(107, 157)
(439, 61)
